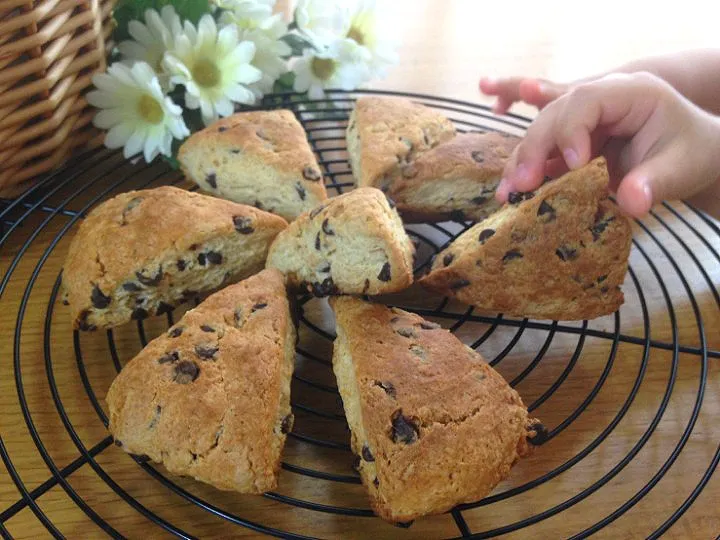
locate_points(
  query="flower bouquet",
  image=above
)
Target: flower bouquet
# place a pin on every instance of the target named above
(179, 65)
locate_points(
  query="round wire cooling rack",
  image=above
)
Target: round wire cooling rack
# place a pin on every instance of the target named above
(629, 399)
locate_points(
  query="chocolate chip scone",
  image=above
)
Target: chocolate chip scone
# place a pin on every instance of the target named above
(559, 253)
(432, 423)
(210, 398)
(385, 134)
(354, 244)
(260, 158)
(455, 180)
(143, 252)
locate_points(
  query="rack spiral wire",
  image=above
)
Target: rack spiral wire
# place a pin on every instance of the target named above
(35, 229)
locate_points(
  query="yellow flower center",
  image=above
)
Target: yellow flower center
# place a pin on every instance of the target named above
(150, 110)
(356, 34)
(206, 73)
(323, 68)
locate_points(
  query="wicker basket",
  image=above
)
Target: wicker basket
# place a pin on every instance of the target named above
(49, 50)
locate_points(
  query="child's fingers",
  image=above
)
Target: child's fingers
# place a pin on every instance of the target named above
(540, 92)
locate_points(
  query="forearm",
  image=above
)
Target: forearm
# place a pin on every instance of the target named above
(695, 74)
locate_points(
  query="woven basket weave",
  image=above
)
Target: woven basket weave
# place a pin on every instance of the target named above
(49, 50)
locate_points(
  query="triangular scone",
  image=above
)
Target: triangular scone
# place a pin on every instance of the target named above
(432, 423)
(354, 244)
(260, 158)
(386, 133)
(559, 253)
(210, 398)
(143, 252)
(455, 180)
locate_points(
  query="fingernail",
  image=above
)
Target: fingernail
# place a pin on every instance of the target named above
(571, 158)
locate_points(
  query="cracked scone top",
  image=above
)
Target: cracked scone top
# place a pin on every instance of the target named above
(353, 244)
(386, 133)
(143, 252)
(432, 423)
(558, 253)
(260, 158)
(210, 398)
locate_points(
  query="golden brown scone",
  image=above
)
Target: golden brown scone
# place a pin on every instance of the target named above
(143, 252)
(558, 253)
(210, 398)
(354, 244)
(260, 158)
(455, 180)
(386, 133)
(433, 424)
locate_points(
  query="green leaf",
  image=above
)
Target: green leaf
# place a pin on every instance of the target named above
(297, 43)
(128, 10)
(284, 83)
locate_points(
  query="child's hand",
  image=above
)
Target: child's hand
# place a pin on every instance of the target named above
(658, 145)
(508, 90)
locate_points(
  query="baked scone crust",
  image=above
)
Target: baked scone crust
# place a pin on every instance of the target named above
(433, 424)
(210, 398)
(157, 245)
(559, 253)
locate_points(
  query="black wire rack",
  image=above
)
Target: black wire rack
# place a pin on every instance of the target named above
(588, 381)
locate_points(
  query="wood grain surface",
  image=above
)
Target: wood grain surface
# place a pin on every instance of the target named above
(625, 411)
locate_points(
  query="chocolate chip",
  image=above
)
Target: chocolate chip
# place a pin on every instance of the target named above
(406, 332)
(257, 204)
(384, 274)
(234, 150)
(138, 314)
(287, 424)
(366, 287)
(600, 227)
(459, 284)
(427, 325)
(477, 155)
(169, 358)
(603, 290)
(512, 254)
(317, 241)
(206, 352)
(175, 332)
(419, 351)
(409, 171)
(300, 191)
(325, 269)
(539, 434)
(194, 247)
(82, 322)
(206, 328)
(131, 286)
(312, 174)
(238, 316)
(376, 482)
(403, 429)
(65, 302)
(367, 454)
(186, 372)
(388, 387)
(150, 281)
(222, 128)
(181, 265)
(118, 442)
(485, 234)
(602, 278)
(566, 253)
(98, 299)
(315, 211)
(457, 215)
(259, 306)
(394, 320)
(214, 257)
(326, 288)
(129, 207)
(211, 179)
(546, 210)
(202, 259)
(326, 228)
(356, 464)
(481, 199)
(243, 224)
(447, 259)
(163, 307)
(517, 197)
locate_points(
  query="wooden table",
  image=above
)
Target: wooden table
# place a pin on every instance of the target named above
(445, 46)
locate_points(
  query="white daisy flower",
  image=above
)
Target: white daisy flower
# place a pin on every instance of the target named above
(331, 67)
(152, 39)
(363, 34)
(135, 111)
(245, 14)
(321, 21)
(214, 66)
